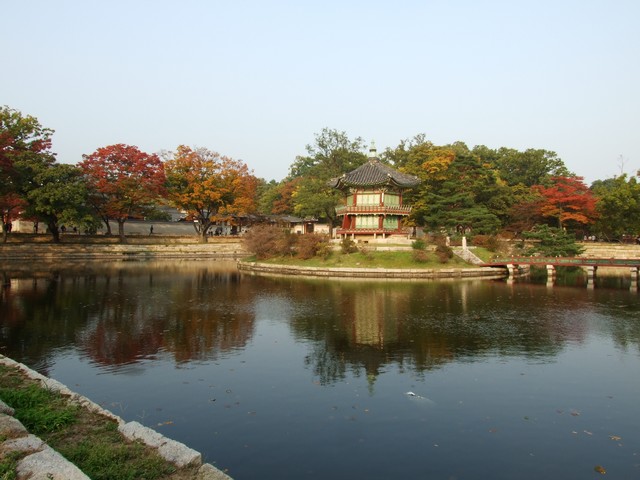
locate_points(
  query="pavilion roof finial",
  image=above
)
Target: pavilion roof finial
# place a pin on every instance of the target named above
(373, 153)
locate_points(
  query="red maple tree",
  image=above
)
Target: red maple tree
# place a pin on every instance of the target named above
(125, 182)
(24, 144)
(567, 200)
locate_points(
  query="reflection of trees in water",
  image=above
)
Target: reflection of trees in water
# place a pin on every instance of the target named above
(365, 327)
(362, 328)
(120, 315)
(209, 313)
(195, 316)
(39, 314)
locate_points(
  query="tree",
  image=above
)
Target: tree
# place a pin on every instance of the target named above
(60, 198)
(276, 198)
(10, 205)
(458, 193)
(618, 206)
(551, 242)
(400, 156)
(124, 181)
(332, 154)
(568, 201)
(208, 186)
(24, 145)
(531, 167)
(525, 212)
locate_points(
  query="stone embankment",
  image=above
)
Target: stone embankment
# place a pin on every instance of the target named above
(592, 250)
(42, 462)
(610, 250)
(380, 273)
(53, 252)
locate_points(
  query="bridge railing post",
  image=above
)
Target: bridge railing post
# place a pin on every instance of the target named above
(634, 279)
(591, 275)
(551, 275)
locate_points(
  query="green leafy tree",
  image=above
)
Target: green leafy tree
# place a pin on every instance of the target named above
(551, 242)
(458, 193)
(276, 198)
(332, 154)
(404, 154)
(267, 193)
(531, 167)
(526, 210)
(60, 197)
(618, 207)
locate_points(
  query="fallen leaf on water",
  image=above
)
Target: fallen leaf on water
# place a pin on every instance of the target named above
(600, 469)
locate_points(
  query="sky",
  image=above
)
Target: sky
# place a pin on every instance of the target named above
(257, 80)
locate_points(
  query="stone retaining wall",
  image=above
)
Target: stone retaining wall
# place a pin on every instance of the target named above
(36, 251)
(610, 250)
(381, 273)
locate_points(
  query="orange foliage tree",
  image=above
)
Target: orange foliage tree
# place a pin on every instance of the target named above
(209, 187)
(567, 200)
(283, 204)
(124, 182)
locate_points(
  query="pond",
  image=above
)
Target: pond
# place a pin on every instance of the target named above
(292, 378)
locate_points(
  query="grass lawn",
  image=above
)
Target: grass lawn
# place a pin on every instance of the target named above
(384, 259)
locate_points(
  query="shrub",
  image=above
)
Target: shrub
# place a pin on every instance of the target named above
(490, 242)
(438, 239)
(348, 246)
(267, 241)
(480, 240)
(444, 253)
(366, 252)
(420, 256)
(418, 244)
(311, 245)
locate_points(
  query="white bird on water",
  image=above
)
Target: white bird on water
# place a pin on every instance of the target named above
(415, 396)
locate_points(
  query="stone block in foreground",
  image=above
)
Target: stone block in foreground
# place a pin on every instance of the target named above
(175, 452)
(48, 464)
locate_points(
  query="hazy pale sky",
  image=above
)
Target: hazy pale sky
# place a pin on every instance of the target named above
(256, 80)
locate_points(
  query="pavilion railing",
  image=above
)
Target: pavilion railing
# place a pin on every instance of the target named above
(392, 209)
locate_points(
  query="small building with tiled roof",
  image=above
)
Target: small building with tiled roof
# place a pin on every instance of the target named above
(373, 206)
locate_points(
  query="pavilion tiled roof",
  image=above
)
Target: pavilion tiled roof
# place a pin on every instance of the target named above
(372, 174)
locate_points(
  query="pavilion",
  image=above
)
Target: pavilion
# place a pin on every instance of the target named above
(373, 201)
